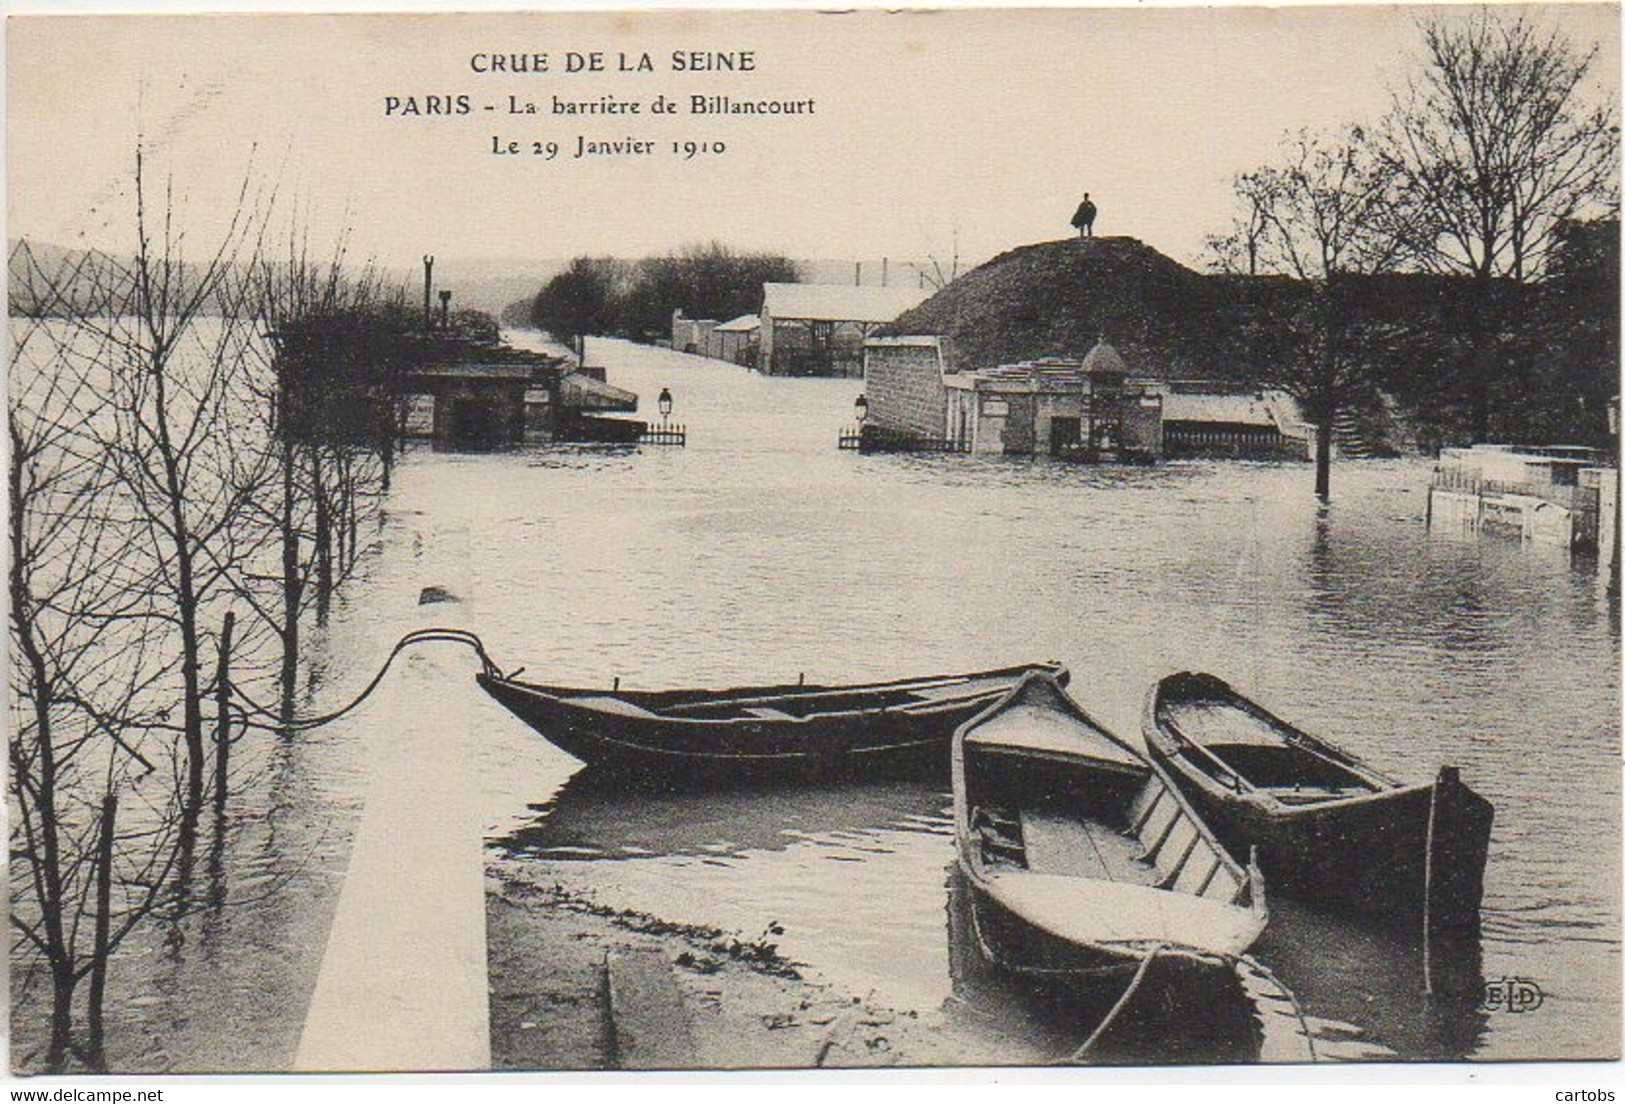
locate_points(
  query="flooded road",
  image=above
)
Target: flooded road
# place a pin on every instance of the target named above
(759, 552)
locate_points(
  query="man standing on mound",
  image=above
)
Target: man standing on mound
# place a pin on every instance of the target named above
(1084, 220)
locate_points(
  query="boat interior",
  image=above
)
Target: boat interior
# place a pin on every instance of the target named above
(1112, 820)
(1243, 749)
(1290, 775)
(798, 702)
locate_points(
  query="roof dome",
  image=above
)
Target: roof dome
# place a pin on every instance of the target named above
(1104, 358)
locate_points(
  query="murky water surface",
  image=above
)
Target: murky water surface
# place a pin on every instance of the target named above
(760, 552)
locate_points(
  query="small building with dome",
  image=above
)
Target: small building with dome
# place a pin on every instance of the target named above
(1087, 408)
(1084, 407)
(1056, 406)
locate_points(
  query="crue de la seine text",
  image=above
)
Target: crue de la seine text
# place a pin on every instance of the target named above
(602, 61)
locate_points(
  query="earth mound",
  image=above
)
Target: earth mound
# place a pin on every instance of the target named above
(1058, 298)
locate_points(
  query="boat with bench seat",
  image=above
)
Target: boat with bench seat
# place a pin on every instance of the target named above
(1082, 858)
(1328, 828)
(901, 728)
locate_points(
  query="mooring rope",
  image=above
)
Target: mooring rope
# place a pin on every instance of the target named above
(1116, 1009)
(418, 636)
(1281, 991)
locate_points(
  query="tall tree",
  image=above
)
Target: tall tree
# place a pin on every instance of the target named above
(582, 300)
(1500, 139)
(1327, 211)
(341, 341)
(705, 281)
(184, 354)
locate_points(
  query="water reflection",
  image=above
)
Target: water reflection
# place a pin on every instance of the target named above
(1324, 987)
(1368, 988)
(596, 816)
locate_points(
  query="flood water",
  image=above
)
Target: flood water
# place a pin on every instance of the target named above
(760, 552)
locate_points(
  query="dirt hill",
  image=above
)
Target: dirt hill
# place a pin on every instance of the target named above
(1058, 298)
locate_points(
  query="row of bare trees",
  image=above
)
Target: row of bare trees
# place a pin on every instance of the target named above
(171, 530)
(1494, 146)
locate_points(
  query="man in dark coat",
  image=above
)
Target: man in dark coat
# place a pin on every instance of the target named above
(1084, 220)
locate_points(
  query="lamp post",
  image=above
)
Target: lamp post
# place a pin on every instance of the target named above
(860, 408)
(664, 402)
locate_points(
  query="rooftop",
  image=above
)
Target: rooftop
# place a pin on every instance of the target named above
(1045, 374)
(479, 370)
(743, 324)
(1236, 409)
(839, 302)
(1104, 358)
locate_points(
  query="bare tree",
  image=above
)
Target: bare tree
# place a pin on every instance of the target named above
(90, 718)
(1238, 252)
(1500, 141)
(152, 477)
(328, 419)
(1328, 211)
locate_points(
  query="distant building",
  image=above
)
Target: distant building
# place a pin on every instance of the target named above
(820, 329)
(691, 335)
(482, 402)
(497, 395)
(1548, 494)
(735, 340)
(1069, 406)
(738, 339)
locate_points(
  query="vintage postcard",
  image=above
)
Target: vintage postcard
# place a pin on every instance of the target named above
(725, 539)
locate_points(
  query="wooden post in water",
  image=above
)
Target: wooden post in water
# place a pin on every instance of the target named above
(222, 705)
(322, 537)
(428, 285)
(96, 1055)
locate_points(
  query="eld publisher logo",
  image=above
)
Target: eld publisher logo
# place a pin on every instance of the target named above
(1511, 994)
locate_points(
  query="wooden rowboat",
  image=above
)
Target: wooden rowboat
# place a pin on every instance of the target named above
(1083, 859)
(1328, 828)
(793, 731)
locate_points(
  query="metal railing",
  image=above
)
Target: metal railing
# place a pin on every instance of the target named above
(1220, 442)
(1467, 481)
(664, 435)
(872, 438)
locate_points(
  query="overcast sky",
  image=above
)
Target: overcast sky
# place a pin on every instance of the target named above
(991, 124)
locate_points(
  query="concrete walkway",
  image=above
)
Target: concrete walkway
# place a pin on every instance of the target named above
(403, 981)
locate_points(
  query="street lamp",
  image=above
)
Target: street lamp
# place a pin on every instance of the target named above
(861, 408)
(664, 402)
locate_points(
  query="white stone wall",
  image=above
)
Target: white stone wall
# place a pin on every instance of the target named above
(903, 384)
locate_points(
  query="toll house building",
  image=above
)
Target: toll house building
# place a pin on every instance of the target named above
(1067, 406)
(1055, 406)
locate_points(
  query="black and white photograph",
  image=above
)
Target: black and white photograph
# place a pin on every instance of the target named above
(722, 539)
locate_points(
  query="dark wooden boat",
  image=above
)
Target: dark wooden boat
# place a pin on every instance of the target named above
(1084, 860)
(792, 731)
(1327, 828)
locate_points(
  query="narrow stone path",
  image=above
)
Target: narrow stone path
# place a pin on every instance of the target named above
(403, 982)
